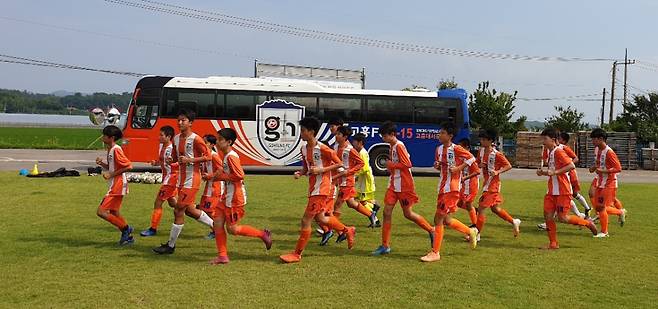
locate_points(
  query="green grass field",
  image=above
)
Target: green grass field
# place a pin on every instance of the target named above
(50, 138)
(55, 252)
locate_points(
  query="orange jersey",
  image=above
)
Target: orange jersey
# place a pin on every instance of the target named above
(448, 157)
(116, 160)
(169, 171)
(319, 156)
(352, 163)
(213, 187)
(492, 160)
(607, 159)
(189, 175)
(473, 183)
(558, 184)
(400, 168)
(234, 194)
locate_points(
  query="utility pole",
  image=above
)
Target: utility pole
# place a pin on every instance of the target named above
(612, 91)
(614, 76)
(626, 63)
(602, 108)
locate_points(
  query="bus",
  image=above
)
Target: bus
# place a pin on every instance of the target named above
(265, 114)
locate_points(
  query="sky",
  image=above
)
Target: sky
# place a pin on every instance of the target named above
(100, 34)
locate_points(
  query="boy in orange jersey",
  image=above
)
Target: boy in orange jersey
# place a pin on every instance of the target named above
(167, 190)
(230, 209)
(558, 198)
(573, 176)
(400, 189)
(318, 161)
(450, 160)
(470, 186)
(116, 166)
(190, 151)
(213, 190)
(607, 167)
(493, 163)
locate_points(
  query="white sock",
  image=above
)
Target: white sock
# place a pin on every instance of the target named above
(173, 235)
(205, 219)
(581, 199)
(575, 209)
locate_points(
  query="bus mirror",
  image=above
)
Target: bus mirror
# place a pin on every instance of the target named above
(113, 116)
(97, 116)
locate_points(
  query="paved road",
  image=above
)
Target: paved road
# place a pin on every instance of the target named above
(49, 160)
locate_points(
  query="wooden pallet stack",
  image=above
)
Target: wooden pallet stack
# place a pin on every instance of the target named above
(623, 143)
(529, 148)
(650, 157)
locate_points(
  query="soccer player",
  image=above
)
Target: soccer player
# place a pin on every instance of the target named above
(352, 163)
(573, 176)
(214, 188)
(450, 160)
(324, 231)
(365, 181)
(400, 189)
(167, 190)
(230, 210)
(190, 151)
(607, 167)
(493, 163)
(470, 186)
(558, 198)
(116, 166)
(318, 160)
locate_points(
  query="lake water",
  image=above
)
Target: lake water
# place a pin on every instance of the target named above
(41, 120)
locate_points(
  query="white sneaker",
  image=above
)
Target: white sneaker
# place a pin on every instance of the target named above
(622, 217)
(541, 226)
(478, 238)
(601, 235)
(516, 223)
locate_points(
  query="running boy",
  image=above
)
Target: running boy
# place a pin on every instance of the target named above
(365, 181)
(470, 186)
(214, 188)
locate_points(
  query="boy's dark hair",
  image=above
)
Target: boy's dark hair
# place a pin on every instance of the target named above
(449, 127)
(189, 114)
(210, 139)
(359, 137)
(388, 127)
(168, 131)
(565, 136)
(310, 123)
(345, 131)
(550, 132)
(599, 133)
(113, 131)
(490, 134)
(337, 121)
(228, 134)
(465, 141)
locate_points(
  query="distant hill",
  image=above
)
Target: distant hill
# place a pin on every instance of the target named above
(59, 102)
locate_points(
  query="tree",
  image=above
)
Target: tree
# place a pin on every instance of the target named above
(567, 120)
(640, 116)
(491, 109)
(447, 84)
(413, 87)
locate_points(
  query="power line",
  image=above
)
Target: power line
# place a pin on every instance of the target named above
(160, 7)
(42, 63)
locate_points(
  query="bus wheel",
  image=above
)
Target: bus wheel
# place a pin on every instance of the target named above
(378, 158)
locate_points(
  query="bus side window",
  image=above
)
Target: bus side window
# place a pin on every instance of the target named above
(242, 106)
(309, 102)
(393, 109)
(347, 109)
(435, 111)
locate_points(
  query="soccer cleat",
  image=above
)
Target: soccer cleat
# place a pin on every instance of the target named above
(381, 250)
(431, 257)
(622, 217)
(601, 235)
(125, 234)
(351, 233)
(128, 241)
(541, 226)
(319, 231)
(592, 227)
(373, 219)
(431, 235)
(291, 258)
(550, 247)
(473, 237)
(148, 232)
(378, 223)
(164, 249)
(595, 219)
(222, 259)
(587, 210)
(267, 239)
(326, 237)
(516, 223)
(341, 237)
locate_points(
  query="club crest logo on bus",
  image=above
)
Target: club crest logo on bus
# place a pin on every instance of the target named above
(278, 127)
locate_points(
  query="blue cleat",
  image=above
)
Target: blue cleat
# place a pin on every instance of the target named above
(149, 232)
(125, 235)
(211, 235)
(381, 250)
(326, 237)
(130, 240)
(341, 237)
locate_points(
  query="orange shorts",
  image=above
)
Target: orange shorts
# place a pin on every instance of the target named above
(559, 203)
(406, 199)
(490, 199)
(468, 198)
(166, 192)
(346, 193)
(316, 204)
(446, 203)
(604, 197)
(186, 196)
(209, 204)
(329, 207)
(111, 202)
(232, 215)
(575, 184)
